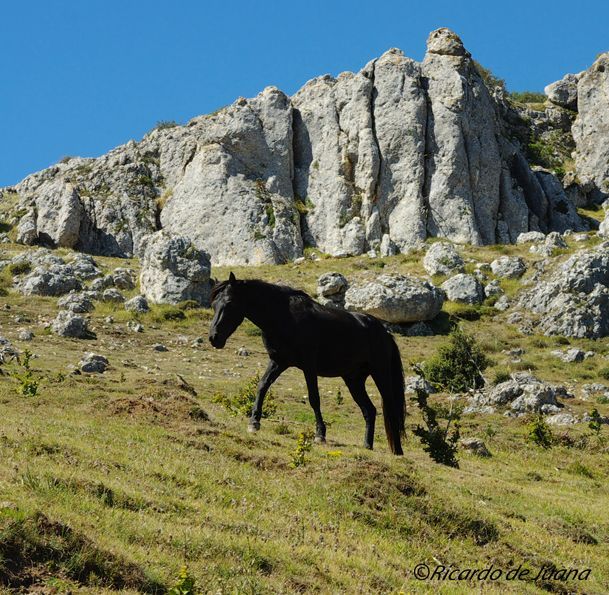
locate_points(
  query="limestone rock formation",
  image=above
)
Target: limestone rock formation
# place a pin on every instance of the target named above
(377, 160)
(174, 270)
(442, 258)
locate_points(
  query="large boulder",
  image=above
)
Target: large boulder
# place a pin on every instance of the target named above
(396, 298)
(53, 281)
(174, 270)
(563, 92)
(442, 258)
(465, 289)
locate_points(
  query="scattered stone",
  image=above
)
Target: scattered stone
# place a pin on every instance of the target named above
(475, 446)
(135, 326)
(93, 363)
(55, 281)
(502, 304)
(102, 283)
(562, 419)
(442, 258)
(76, 302)
(109, 319)
(530, 237)
(553, 241)
(465, 289)
(242, 351)
(7, 351)
(511, 267)
(69, 324)
(493, 288)
(84, 267)
(113, 296)
(396, 299)
(25, 335)
(411, 383)
(124, 278)
(331, 288)
(159, 347)
(137, 304)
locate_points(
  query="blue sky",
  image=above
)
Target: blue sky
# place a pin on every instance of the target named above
(80, 77)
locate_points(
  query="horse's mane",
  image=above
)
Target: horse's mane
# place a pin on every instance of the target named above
(280, 290)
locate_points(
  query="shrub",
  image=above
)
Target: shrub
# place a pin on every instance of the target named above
(166, 312)
(490, 80)
(438, 442)
(185, 584)
(28, 381)
(501, 376)
(164, 124)
(19, 268)
(539, 433)
(303, 446)
(604, 373)
(458, 366)
(242, 402)
(528, 96)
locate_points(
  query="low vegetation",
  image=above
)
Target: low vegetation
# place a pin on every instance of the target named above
(145, 479)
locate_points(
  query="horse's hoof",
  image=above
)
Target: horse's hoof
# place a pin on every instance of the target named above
(253, 428)
(320, 439)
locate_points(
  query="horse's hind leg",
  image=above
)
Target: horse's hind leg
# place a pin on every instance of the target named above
(357, 388)
(313, 390)
(273, 371)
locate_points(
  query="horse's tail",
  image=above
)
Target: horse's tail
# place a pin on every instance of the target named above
(394, 402)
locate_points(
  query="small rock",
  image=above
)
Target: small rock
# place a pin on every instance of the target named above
(442, 258)
(109, 320)
(511, 267)
(562, 419)
(113, 295)
(69, 324)
(475, 446)
(25, 335)
(135, 326)
(159, 347)
(93, 363)
(137, 304)
(530, 236)
(242, 351)
(502, 304)
(465, 289)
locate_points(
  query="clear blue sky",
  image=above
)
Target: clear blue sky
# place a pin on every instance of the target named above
(82, 76)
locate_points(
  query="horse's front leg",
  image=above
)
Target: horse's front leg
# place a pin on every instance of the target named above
(313, 390)
(273, 371)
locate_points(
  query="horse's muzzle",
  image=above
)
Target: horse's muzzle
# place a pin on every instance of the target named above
(216, 341)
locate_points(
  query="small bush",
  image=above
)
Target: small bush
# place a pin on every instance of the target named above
(528, 97)
(242, 402)
(458, 366)
(29, 383)
(185, 584)
(539, 433)
(303, 446)
(189, 305)
(165, 124)
(164, 313)
(438, 442)
(604, 373)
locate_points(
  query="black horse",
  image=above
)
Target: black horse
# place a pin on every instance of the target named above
(319, 340)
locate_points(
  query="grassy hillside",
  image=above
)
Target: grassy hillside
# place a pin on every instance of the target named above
(115, 481)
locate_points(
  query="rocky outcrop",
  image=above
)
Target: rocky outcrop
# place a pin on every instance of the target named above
(174, 270)
(397, 299)
(574, 299)
(591, 129)
(376, 160)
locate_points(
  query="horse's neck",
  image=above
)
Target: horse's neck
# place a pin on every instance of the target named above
(260, 306)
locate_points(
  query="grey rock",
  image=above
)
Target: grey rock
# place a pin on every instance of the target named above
(530, 237)
(137, 304)
(331, 289)
(76, 302)
(493, 288)
(56, 280)
(123, 278)
(591, 129)
(512, 267)
(113, 295)
(84, 267)
(442, 258)
(552, 242)
(563, 92)
(7, 351)
(69, 324)
(159, 347)
(412, 383)
(475, 446)
(395, 298)
(465, 289)
(242, 351)
(562, 419)
(25, 335)
(102, 283)
(135, 326)
(174, 270)
(502, 304)
(93, 363)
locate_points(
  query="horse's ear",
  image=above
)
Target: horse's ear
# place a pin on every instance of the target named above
(231, 278)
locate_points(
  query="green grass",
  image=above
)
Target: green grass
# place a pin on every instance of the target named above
(129, 476)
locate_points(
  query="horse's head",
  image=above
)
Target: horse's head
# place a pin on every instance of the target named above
(229, 311)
